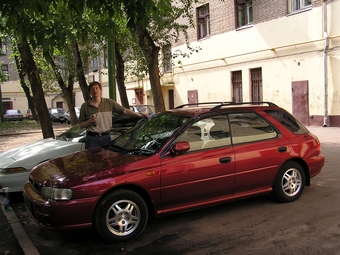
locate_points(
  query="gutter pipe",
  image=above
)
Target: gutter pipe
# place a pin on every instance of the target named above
(325, 60)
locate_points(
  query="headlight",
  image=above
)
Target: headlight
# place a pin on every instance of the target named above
(57, 193)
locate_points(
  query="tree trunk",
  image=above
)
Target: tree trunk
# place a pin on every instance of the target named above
(67, 90)
(120, 69)
(26, 89)
(150, 52)
(80, 71)
(31, 70)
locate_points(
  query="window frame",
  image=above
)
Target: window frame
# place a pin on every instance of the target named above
(256, 82)
(203, 22)
(297, 5)
(244, 13)
(236, 81)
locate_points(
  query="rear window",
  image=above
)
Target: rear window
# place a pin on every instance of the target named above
(288, 121)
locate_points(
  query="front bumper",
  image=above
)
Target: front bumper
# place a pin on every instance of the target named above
(70, 214)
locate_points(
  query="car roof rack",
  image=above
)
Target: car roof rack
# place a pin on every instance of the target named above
(243, 103)
(198, 104)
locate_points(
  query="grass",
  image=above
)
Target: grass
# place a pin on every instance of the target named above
(12, 126)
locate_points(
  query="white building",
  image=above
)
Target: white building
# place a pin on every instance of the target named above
(283, 51)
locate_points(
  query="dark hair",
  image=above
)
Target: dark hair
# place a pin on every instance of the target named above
(94, 83)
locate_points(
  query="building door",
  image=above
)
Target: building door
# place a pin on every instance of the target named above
(171, 99)
(300, 101)
(192, 96)
(139, 95)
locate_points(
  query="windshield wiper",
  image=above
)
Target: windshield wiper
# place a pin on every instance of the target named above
(142, 152)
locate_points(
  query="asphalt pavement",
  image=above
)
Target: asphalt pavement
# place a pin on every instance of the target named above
(24, 245)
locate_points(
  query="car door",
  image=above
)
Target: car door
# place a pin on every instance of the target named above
(259, 152)
(202, 175)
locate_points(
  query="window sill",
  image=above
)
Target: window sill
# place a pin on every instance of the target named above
(245, 27)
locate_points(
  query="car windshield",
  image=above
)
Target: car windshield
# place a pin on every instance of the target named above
(74, 134)
(148, 137)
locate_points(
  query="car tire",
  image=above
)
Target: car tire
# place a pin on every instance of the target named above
(121, 216)
(289, 182)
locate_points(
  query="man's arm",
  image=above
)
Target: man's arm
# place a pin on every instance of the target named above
(136, 114)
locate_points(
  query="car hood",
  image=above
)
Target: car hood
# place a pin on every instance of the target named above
(31, 154)
(84, 164)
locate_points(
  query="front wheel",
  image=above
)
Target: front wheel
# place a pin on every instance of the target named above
(121, 216)
(289, 182)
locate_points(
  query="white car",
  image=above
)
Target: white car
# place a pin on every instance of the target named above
(16, 163)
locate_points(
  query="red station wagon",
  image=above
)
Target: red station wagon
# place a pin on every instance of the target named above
(186, 158)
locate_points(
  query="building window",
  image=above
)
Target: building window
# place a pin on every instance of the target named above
(203, 21)
(167, 60)
(4, 69)
(244, 14)
(236, 80)
(256, 84)
(95, 65)
(295, 5)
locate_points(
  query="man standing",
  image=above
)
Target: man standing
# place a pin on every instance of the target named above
(96, 116)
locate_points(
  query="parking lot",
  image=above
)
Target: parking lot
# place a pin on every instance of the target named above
(259, 225)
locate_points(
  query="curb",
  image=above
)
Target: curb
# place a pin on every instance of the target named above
(18, 230)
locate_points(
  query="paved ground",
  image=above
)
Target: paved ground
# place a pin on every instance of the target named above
(311, 225)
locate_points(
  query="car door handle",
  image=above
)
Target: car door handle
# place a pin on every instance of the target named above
(225, 160)
(282, 149)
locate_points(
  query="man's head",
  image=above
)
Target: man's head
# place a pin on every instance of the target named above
(95, 89)
(94, 83)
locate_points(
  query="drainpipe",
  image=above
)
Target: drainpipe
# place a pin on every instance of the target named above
(325, 60)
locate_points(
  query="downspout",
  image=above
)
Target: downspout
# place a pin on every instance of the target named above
(325, 61)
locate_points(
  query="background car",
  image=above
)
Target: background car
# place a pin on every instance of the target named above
(57, 115)
(16, 163)
(179, 160)
(143, 108)
(68, 118)
(13, 115)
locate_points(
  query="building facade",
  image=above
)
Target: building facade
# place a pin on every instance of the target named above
(283, 51)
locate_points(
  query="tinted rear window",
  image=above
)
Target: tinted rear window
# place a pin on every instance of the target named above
(288, 121)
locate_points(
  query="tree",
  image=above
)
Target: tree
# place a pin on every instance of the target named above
(3, 78)
(154, 24)
(21, 19)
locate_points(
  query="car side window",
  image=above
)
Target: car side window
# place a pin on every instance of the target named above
(212, 132)
(193, 135)
(288, 121)
(249, 127)
(218, 132)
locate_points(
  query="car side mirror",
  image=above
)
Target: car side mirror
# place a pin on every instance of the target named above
(179, 148)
